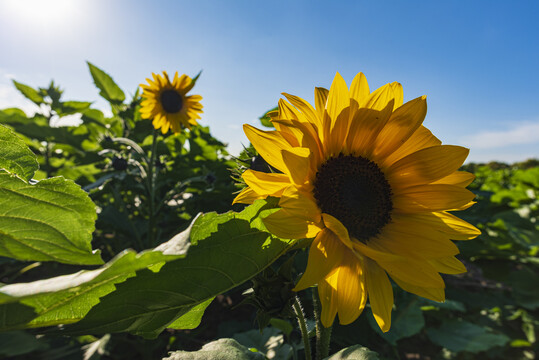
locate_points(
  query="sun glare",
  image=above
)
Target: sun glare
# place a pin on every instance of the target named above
(50, 13)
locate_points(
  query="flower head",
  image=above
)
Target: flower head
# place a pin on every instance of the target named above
(167, 102)
(362, 175)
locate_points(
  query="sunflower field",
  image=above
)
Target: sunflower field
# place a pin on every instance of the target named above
(132, 233)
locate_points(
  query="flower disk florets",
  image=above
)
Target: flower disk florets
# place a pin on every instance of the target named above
(356, 192)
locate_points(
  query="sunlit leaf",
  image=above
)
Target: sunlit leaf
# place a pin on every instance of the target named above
(29, 92)
(109, 90)
(15, 156)
(52, 220)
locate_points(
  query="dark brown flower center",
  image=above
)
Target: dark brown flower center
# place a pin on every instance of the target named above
(354, 190)
(171, 101)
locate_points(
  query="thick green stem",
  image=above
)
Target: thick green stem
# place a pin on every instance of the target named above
(151, 192)
(303, 328)
(323, 334)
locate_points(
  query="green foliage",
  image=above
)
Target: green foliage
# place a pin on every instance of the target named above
(223, 349)
(16, 158)
(109, 90)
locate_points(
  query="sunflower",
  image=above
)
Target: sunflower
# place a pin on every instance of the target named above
(167, 104)
(361, 175)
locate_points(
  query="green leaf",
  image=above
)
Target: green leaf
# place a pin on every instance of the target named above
(15, 343)
(67, 299)
(406, 320)
(222, 349)
(52, 220)
(72, 107)
(356, 352)
(29, 92)
(265, 120)
(226, 250)
(269, 341)
(109, 90)
(459, 335)
(191, 319)
(524, 284)
(16, 157)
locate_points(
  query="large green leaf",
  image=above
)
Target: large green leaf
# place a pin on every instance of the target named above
(226, 251)
(66, 299)
(16, 157)
(458, 335)
(29, 92)
(109, 89)
(356, 352)
(52, 220)
(222, 349)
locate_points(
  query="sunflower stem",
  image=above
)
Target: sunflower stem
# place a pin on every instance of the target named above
(303, 328)
(151, 191)
(323, 334)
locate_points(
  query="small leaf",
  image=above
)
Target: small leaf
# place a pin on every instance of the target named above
(16, 157)
(459, 335)
(356, 352)
(109, 90)
(29, 92)
(191, 319)
(52, 220)
(222, 349)
(72, 107)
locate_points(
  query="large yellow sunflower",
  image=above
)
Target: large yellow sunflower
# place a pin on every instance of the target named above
(373, 186)
(167, 102)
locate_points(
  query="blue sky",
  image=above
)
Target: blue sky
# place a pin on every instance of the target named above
(477, 62)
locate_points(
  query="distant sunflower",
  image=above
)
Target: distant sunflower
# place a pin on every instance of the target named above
(373, 186)
(167, 102)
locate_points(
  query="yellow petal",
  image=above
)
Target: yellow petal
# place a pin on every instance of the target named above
(287, 226)
(328, 300)
(336, 138)
(338, 229)
(267, 184)
(435, 294)
(300, 204)
(365, 127)
(310, 113)
(379, 99)
(320, 101)
(325, 254)
(458, 178)
(424, 243)
(268, 144)
(352, 294)
(297, 161)
(448, 265)
(359, 90)
(403, 122)
(414, 271)
(421, 138)
(431, 197)
(338, 99)
(380, 294)
(452, 226)
(397, 93)
(247, 196)
(426, 165)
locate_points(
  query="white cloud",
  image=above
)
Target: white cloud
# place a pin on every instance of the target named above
(10, 97)
(523, 133)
